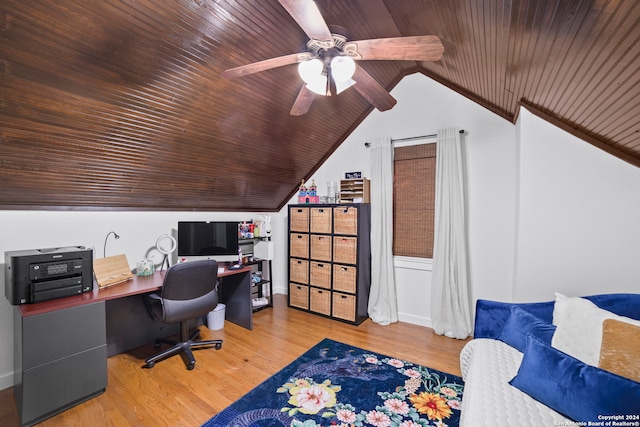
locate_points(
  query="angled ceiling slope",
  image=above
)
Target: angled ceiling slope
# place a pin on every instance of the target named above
(121, 104)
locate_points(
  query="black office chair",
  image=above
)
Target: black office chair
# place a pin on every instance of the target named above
(189, 290)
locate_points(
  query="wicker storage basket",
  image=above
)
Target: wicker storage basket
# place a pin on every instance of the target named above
(321, 219)
(320, 301)
(299, 270)
(344, 278)
(345, 220)
(344, 306)
(345, 249)
(299, 296)
(320, 275)
(320, 247)
(299, 220)
(299, 245)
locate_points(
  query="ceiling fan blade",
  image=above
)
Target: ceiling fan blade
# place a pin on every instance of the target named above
(267, 64)
(303, 102)
(415, 48)
(309, 18)
(372, 91)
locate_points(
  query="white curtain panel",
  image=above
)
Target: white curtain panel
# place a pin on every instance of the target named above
(383, 303)
(450, 305)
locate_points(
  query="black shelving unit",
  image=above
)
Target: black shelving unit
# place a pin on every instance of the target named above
(261, 284)
(330, 260)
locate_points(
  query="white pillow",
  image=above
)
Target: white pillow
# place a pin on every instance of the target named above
(579, 330)
(560, 308)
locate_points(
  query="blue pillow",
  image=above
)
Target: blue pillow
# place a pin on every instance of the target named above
(519, 324)
(578, 391)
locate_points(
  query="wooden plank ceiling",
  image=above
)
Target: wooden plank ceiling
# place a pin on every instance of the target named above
(120, 104)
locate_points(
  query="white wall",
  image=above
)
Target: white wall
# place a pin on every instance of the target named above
(578, 229)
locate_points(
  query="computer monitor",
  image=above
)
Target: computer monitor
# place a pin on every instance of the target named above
(208, 240)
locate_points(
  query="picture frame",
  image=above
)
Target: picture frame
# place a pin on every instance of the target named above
(352, 175)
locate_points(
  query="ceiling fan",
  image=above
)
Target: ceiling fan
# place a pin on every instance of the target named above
(328, 66)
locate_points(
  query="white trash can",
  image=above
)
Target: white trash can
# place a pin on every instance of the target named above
(215, 318)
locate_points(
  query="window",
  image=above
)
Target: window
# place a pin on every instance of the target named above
(414, 189)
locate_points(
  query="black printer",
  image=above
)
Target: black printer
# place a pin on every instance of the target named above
(36, 275)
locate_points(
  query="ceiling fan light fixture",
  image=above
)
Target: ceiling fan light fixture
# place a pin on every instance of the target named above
(310, 70)
(342, 69)
(327, 65)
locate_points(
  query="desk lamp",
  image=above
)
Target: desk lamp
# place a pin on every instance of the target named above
(104, 251)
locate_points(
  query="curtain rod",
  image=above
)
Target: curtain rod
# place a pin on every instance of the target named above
(411, 138)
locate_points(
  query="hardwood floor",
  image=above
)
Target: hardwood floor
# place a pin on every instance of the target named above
(170, 395)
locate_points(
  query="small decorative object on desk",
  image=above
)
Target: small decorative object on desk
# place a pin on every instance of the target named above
(145, 267)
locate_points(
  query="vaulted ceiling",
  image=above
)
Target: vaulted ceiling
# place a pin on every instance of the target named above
(120, 104)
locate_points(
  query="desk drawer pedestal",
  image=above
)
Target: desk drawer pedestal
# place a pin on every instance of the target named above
(60, 360)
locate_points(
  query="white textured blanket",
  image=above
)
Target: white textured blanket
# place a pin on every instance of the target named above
(487, 367)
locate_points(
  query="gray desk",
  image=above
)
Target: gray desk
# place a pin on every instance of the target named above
(61, 346)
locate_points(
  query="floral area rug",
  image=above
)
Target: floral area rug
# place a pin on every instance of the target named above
(334, 384)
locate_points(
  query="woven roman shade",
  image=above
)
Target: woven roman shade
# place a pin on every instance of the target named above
(414, 190)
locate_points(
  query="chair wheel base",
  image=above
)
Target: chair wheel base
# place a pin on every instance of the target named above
(184, 348)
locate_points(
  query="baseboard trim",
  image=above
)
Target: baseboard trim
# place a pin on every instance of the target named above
(402, 317)
(415, 320)
(6, 381)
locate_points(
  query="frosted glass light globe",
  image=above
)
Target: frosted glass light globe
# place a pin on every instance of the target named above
(318, 85)
(342, 68)
(310, 70)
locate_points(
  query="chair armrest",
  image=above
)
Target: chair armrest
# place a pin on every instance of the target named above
(149, 301)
